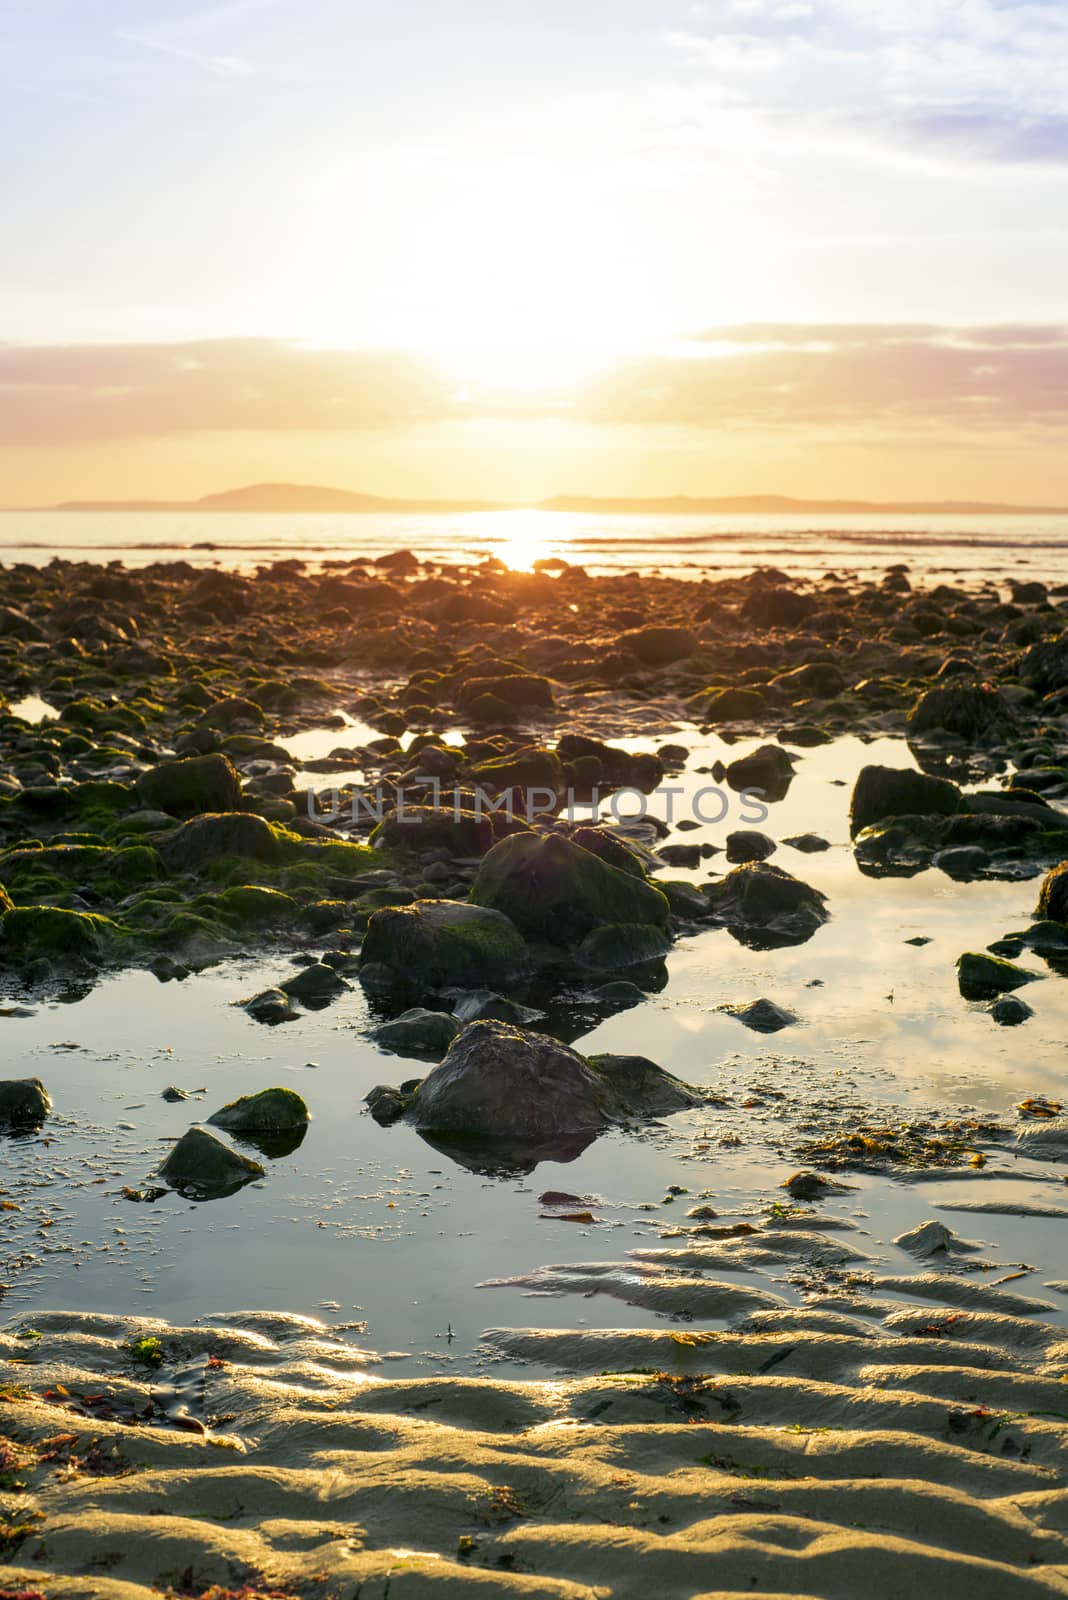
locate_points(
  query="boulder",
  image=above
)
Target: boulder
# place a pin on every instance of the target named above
(762, 1016)
(975, 712)
(191, 787)
(270, 1007)
(217, 837)
(659, 646)
(440, 943)
(202, 1167)
(623, 944)
(268, 1111)
(747, 844)
(554, 889)
(899, 792)
(418, 1032)
(981, 976)
(768, 771)
(765, 907)
(315, 985)
(1008, 1011)
(1044, 667)
(1053, 896)
(727, 705)
(24, 1103)
(818, 679)
(502, 1082)
(46, 933)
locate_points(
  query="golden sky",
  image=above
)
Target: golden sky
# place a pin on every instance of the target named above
(512, 249)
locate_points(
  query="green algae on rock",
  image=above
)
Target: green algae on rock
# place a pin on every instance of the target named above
(202, 1167)
(268, 1111)
(191, 786)
(982, 977)
(33, 933)
(442, 943)
(553, 888)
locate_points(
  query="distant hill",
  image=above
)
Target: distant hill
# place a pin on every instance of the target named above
(317, 499)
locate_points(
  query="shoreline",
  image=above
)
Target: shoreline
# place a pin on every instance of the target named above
(896, 1429)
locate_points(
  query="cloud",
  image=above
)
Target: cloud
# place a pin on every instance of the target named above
(760, 375)
(969, 81)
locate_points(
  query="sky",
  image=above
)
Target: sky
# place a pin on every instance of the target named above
(512, 248)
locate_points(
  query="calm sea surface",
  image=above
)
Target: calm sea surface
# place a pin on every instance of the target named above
(972, 546)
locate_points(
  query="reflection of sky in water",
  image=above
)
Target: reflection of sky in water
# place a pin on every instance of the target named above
(373, 1218)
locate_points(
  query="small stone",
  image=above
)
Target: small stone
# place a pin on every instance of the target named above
(763, 1016)
(1009, 1010)
(24, 1103)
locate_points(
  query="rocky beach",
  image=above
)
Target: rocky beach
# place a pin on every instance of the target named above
(538, 1082)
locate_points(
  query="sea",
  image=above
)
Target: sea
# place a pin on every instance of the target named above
(940, 547)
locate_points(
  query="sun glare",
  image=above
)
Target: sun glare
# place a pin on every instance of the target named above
(520, 538)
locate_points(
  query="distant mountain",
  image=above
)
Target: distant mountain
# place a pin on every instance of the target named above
(314, 498)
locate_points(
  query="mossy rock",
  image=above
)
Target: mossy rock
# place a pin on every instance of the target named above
(202, 1167)
(619, 945)
(1053, 896)
(552, 888)
(418, 1032)
(35, 872)
(34, 933)
(191, 787)
(439, 943)
(268, 1111)
(720, 704)
(255, 907)
(526, 769)
(982, 977)
(765, 907)
(221, 837)
(881, 792)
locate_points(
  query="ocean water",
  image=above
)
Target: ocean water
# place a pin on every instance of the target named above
(942, 547)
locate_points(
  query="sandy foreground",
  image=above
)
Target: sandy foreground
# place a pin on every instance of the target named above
(904, 1437)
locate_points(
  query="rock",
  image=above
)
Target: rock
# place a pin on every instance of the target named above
(623, 945)
(270, 1007)
(6, 901)
(191, 787)
(251, 906)
(766, 907)
(202, 1167)
(315, 985)
(619, 995)
(439, 944)
(684, 898)
(899, 792)
(483, 1004)
(46, 933)
(1009, 1011)
(818, 679)
(961, 861)
(554, 889)
(981, 976)
(727, 705)
(385, 1104)
(1044, 667)
(460, 831)
(502, 1082)
(1053, 896)
(173, 1095)
(268, 1111)
(220, 837)
(810, 1186)
(763, 1016)
(767, 771)
(777, 607)
(418, 1032)
(975, 712)
(659, 646)
(680, 855)
(515, 690)
(749, 845)
(809, 843)
(24, 1103)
